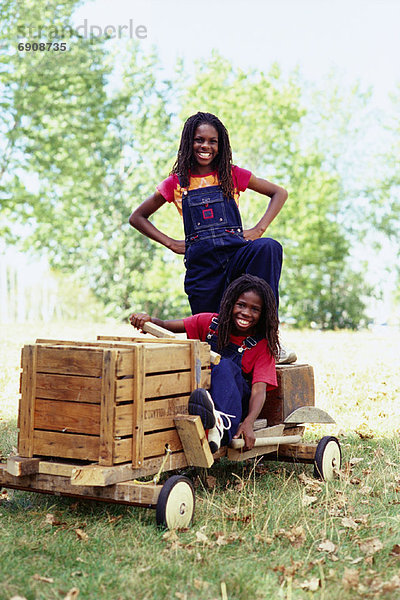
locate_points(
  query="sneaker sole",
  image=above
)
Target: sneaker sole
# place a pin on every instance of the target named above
(199, 404)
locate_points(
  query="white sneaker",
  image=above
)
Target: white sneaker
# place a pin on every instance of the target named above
(201, 403)
(286, 356)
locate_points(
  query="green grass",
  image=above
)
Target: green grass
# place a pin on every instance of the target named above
(260, 529)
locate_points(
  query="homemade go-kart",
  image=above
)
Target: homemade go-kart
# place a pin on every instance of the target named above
(94, 417)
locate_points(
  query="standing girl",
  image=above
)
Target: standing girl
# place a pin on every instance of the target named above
(245, 333)
(205, 187)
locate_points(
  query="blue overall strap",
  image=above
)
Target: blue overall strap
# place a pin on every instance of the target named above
(247, 343)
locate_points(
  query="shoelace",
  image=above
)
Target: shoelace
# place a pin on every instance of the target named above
(228, 418)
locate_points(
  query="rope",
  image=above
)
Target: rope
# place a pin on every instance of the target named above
(157, 476)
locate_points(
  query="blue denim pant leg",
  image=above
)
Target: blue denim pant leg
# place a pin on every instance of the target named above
(262, 257)
(230, 393)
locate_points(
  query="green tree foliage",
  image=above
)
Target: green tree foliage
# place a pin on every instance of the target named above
(97, 149)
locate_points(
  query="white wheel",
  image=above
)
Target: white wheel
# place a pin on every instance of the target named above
(328, 458)
(175, 505)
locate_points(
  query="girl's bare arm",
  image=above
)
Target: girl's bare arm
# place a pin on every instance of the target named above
(140, 220)
(139, 319)
(278, 197)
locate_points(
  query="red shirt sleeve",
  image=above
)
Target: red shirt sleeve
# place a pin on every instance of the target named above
(241, 178)
(260, 362)
(167, 187)
(197, 326)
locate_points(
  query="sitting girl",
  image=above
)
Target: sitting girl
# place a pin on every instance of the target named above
(245, 333)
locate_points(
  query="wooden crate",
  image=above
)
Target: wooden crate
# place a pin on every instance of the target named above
(107, 402)
(295, 389)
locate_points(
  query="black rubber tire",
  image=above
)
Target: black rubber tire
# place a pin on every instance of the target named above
(176, 503)
(328, 458)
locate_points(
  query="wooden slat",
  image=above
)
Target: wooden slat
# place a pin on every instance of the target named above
(27, 402)
(70, 417)
(66, 360)
(173, 383)
(160, 385)
(126, 493)
(66, 445)
(195, 365)
(301, 452)
(54, 468)
(176, 356)
(68, 387)
(107, 408)
(137, 444)
(154, 443)
(195, 445)
(101, 476)
(158, 414)
(18, 466)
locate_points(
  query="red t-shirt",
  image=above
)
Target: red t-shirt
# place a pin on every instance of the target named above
(172, 191)
(258, 361)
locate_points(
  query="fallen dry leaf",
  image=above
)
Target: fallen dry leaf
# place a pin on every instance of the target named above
(311, 585)
(170, 536)
(82, 535)
(181, 596)
(349, 522)
(308, 500)
(18, 598)
(211, 482)
(38, 577)
(350, 579)
(296, 535)
(395, 551)
(201, 537)
(364, 432)
(200, 584)
(327, 546)
(370, 546)
(392, 585)
(72, 594)
(51, 519)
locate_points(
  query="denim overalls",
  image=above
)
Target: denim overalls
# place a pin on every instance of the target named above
(230, 390)
(216, 251)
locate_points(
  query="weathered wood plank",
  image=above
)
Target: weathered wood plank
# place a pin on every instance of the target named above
(301, 452)
(161, 384)
(157, 414)
(154, 445)
(295, 389)
(68, 387)
(66, 360)
(107, 408)
(195, 445)
(71, 417)
(66, 445)
(126, 493)
(27, 401)
(137, 430)
(19, 466)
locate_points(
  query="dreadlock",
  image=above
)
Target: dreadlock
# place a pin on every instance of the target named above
(267, 325)
(223, 161)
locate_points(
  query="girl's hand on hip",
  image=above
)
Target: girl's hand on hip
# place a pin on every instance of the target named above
(177, 246)
(252, 234)
(139, 319)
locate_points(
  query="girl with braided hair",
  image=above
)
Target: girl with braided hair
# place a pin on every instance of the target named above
(205, 187)
(245, 333)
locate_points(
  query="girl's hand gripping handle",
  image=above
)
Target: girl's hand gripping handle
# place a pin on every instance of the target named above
(160, 332)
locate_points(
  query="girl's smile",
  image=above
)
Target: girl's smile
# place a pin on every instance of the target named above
(205, 147)
(246, 313)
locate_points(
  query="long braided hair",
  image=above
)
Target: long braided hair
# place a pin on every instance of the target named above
(223, 161)
(268, 323)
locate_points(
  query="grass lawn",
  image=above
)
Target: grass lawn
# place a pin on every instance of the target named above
(262, 530)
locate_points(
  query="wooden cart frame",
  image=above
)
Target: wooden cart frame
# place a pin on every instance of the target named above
(96, 417)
